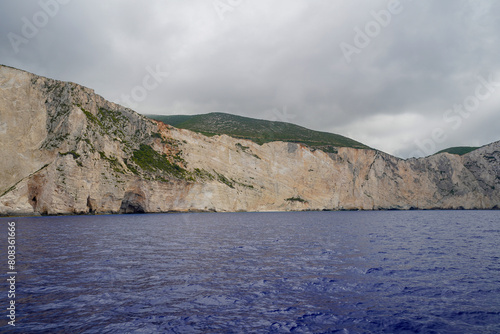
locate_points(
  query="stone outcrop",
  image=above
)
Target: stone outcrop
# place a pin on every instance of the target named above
(66, 150)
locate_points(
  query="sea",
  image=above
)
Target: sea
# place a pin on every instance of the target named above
(294, 272)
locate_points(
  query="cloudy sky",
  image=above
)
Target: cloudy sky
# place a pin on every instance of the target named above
(407, 77)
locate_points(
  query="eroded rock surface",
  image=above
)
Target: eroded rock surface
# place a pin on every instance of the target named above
(67, 150)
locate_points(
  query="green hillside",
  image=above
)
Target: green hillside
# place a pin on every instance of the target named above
(459, 150)
(259, 131)
(173, 120)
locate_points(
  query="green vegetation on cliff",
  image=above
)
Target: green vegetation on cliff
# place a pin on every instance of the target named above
(459, 150)
(259, 131)
(296, 199)
(152, 161)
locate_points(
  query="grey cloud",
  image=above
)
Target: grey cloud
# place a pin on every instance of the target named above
(267, 56)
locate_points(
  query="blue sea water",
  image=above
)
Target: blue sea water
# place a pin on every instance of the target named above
(302, 272)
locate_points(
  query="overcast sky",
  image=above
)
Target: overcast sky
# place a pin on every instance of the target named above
(406, 77)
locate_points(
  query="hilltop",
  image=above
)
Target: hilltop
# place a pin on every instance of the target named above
(257, 130)
(459, 150)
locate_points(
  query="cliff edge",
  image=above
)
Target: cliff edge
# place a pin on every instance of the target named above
(67, 150)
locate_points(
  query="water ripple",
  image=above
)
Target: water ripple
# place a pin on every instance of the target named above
(315, 272)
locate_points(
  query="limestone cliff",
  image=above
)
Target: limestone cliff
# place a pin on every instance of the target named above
(66, 150)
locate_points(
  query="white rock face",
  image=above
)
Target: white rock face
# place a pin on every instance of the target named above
(66, 150)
